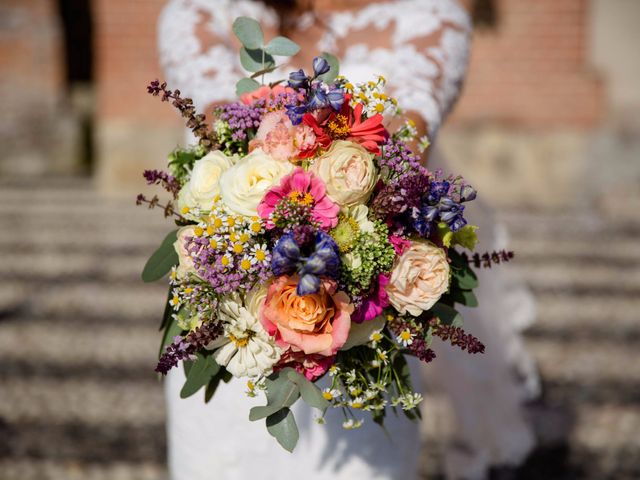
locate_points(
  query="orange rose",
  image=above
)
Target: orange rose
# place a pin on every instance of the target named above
(317, 323)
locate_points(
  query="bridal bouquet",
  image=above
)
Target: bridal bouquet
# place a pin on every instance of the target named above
(313, 251)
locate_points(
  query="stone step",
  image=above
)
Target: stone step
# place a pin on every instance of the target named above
(43, 469)
(50, 343)
(585, 361)
(90, 402)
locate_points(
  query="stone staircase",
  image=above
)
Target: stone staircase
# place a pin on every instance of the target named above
(78, 338)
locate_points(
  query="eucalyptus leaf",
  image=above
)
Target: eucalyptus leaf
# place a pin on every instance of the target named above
(246, 85)
(160, 263)
(282, 426)
(447, 315)
(200, 374)
(213, 384)
(252, 60)
(311, 394)
(281, 392)
(167, 315)
(331, 75)
(249, 32)
(464, 297)
(466, 278)
(282, 46)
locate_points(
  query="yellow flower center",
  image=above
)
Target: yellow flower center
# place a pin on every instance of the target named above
(239, 342)
(327, 396)
(198, 231)
(256, 227)
(339, 127)
(238, 248)
(405, 335)
(225, 261)
(245, 264)
(261, 255)
(300, 198)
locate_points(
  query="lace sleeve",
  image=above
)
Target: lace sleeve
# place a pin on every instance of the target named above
(420, 46)
(198, 52)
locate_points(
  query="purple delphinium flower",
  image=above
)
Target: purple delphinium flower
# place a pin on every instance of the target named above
(323, 260)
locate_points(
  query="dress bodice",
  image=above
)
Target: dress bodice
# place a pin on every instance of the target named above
(420, 46)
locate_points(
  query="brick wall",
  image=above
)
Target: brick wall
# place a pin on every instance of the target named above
(126, 60)
(532, 69)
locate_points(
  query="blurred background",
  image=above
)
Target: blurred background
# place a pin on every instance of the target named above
(548, 130)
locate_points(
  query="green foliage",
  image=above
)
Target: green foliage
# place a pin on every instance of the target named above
(181, 162)
(466, 237)
(282, 426)
(463, 281)
(447, 315)
(281, 392)
(311, 394)
(160, 263)
(255, 56)
(171, 329)
(249, 32)
(282, 46)
(224, 376)
(200, 373)
(334, 71)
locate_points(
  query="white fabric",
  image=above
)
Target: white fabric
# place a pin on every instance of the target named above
(424, 63)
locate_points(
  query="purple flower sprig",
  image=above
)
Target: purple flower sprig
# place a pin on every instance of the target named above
(398, 161)
(456, 336)
(184, 348)
(166, 180)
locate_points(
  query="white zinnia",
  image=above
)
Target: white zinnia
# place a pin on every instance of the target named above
(246, 349)
(243, 186)
(204, 183)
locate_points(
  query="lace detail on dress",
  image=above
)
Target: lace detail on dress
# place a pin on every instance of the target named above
(424, 56)
(206, 74)
(424, 60)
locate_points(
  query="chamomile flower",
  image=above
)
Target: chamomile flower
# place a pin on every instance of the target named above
(247, 262)
(226, 260)
(423, 144)
(175, 300)
(405, 338)
(334, 370)
(330, 394)
(355, 391)
(350, 377)
(375, 338)
(382, 356)
(357, 403)
(260, 253)
(251, 389)
(410, 400)
(351, 424)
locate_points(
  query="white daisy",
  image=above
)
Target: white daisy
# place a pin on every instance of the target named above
(245, 349)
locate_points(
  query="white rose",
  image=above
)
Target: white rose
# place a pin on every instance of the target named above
(204, 184)
(243, 186)
(419, 279)
(185, 265)
(348, 171)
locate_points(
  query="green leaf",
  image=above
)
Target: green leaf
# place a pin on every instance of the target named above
(281, 392)
(447, 315)
(465, 278)
(248, 32)
(334, 71)
(213, 384)
(282, 426)
(282, 46)
(464, 297)
(246, 85)
(171, 330)
(167, 315)
(252, 60)
(311, 394)
(200, 373)
(162, 259)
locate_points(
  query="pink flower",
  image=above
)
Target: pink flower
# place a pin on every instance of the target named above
(311, 366)
(306, 189)
(313, 324)
(263, 92)
(276, 136)
(400, 244)
(374, 304)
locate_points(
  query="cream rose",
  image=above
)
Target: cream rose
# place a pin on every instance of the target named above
(419, 279)
(348, 171)
(185, 265)
(243, 185)
(204, 184)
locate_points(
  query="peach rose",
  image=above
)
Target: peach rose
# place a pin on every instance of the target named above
(419, 278)
(314, 324)
(276, 136)
(185, 266)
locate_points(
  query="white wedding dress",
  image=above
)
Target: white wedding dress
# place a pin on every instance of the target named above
(421, 47)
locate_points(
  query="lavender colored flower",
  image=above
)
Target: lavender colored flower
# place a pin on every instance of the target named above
(398, 161)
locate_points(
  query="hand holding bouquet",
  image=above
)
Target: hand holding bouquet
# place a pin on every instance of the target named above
(311, 243)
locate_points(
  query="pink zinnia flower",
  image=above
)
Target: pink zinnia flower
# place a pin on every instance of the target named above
(374, 304)
(400, 244)
(305, 188)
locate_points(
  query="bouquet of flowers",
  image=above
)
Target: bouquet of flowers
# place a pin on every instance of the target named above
(312, 244)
